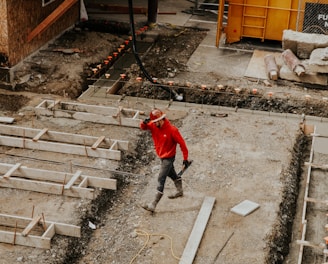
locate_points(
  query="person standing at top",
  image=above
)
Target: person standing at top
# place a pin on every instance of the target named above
(165, 137)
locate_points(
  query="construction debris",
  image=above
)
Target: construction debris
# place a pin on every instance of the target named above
(271, 67)
(293, 63)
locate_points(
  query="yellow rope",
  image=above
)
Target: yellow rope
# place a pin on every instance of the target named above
(148, 235)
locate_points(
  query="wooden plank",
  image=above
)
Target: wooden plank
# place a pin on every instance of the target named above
(317, 166)
(84, 182)
(72, 180)
(110, 184)
(8, 120)
(50, 232)
(52, 18)
(52, 104)
(313, 200)
(196, 235)
(310, 244)
(12, 170)
(97, 143)
(67, 230)
(31, 225)
(114, 146)
(40, 134)
(108, 120)
(29, 241)
(60, 148)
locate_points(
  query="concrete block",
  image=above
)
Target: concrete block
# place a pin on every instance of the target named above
(245, 207)
(310, 77)
(302, 44)
(318, 61)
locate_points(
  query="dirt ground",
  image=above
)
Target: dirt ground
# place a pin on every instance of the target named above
(240, 155)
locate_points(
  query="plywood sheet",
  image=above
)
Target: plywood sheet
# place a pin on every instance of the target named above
(256, 66)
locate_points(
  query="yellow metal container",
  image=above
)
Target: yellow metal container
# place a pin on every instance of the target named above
(262, 19)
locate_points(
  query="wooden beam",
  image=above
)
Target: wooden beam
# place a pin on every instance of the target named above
(12, 170)
(51, 104)
(9, 120)
(310, 244)
(72, 180)
(40, 134)
(52, 18)
(313, 200)
(196, 235)
(29, 241)
(97, 143)
(31, 225)
(317, 166)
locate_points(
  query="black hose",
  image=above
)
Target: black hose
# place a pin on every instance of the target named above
(138, 60)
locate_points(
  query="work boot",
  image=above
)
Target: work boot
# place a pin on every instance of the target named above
(179, 192)
(151, 206)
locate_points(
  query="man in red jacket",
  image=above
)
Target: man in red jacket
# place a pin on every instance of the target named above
(166, 137)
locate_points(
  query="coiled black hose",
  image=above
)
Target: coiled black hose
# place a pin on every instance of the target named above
(138, 60)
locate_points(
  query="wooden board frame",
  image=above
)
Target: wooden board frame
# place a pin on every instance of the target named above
(39, 241)
(90, 113)
(60, 142)
(53, 182)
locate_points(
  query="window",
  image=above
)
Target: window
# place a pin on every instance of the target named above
(47, 2)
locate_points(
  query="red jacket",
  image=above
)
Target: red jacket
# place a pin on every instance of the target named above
(166, 139)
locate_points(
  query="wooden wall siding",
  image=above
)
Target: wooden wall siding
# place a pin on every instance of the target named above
(3, 34)
(24, 16)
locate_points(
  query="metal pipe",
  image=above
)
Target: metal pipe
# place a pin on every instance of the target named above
(152, 11)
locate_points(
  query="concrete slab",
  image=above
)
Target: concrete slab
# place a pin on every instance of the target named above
(318, 61)
(256, 66)
(302, 44)
(309, 77)
(245, 207)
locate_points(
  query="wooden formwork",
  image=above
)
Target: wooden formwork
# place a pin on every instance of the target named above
(52, 182)
(91, 113)
(33, 232)
(46, 140)
(307, 199)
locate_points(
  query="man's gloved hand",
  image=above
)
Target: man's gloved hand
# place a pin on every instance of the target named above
(186, 163)
(146, 121)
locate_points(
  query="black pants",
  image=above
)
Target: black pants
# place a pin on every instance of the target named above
(167, 170)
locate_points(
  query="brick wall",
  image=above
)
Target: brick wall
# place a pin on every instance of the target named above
(23, 16)
(3, 34)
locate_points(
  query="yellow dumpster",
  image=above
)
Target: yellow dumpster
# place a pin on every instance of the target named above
(261, 19)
